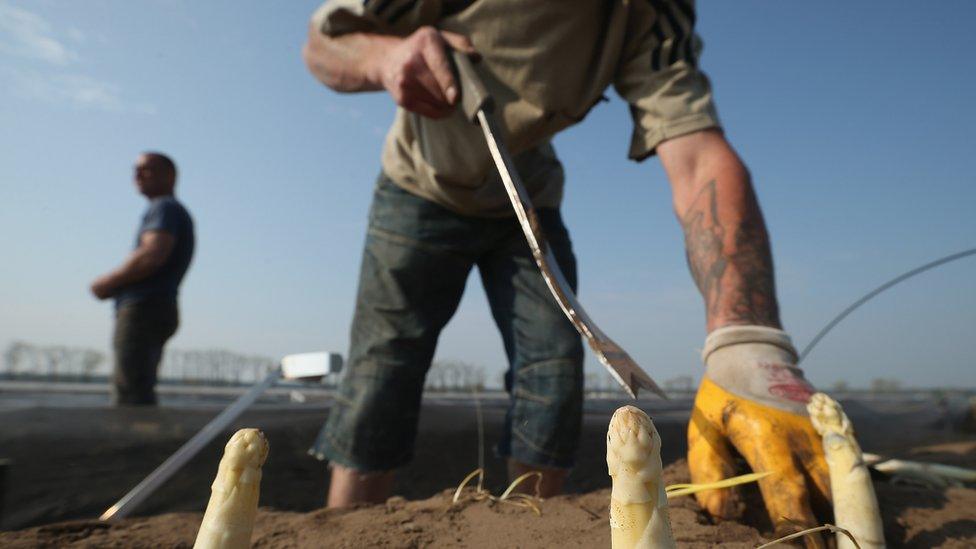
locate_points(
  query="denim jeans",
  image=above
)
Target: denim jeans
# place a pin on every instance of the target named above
(415, 264)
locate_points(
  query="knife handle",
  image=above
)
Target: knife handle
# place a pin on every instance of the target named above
(474, 94)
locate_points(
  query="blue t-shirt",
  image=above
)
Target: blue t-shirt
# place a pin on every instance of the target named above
(166, 214)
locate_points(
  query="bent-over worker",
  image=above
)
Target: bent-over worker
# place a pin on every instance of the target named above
(440, 209)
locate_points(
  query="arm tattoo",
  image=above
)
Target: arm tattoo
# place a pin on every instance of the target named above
(755, 300)
(735, 278)
(703, 245)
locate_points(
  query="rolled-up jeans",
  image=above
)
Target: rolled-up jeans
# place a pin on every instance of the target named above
(415, 264)
(141, 329)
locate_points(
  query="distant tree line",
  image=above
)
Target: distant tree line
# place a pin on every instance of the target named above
(214, 366)
(51, 361)
(602, 384)
(454, 375)
(24, 360)
(878, 385)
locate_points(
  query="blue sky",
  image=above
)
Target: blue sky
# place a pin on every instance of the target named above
(856, 122)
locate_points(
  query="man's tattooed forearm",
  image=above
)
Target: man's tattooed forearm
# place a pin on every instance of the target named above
(703, 245)
(755, 298)
(735, 278)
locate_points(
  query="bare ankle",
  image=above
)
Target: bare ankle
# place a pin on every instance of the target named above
(349, 486)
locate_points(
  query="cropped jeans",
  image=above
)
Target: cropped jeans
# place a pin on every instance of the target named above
(416, 261)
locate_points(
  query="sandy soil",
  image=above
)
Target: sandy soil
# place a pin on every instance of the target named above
(72, 464)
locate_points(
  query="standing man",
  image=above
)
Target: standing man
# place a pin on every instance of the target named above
(145, 287)
(439, 209)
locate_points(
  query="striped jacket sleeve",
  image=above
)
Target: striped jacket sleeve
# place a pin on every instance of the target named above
(398, 17)
(658, 74)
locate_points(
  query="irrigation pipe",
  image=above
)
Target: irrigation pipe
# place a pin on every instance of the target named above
(867, 297)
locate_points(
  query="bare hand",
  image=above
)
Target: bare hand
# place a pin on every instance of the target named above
(418, 75)
(100, 288)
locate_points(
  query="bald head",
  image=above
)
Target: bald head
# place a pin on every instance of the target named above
(155, 174)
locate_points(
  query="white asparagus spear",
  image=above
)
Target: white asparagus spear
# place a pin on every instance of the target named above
(229, 519)
(855, 505)
(638, 504)
(935, 474)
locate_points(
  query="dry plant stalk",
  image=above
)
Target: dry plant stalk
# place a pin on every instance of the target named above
(683, 489)
(835, 529)
(509, 496)
(638, 503)
(229, 519)
(855, 504)
(530, 501)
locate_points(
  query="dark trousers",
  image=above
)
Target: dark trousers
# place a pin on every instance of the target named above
(416, 261)
(141, 330)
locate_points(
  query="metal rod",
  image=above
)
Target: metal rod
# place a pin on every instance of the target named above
(850, 309)
(192, 447)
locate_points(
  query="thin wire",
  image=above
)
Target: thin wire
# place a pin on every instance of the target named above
(830, 325)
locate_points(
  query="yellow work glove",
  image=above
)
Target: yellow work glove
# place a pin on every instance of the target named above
(752, 400)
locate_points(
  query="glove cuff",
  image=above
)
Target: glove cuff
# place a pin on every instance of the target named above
(734, 335)
(757, 363)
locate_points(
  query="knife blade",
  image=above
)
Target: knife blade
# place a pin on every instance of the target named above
(479, 107)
